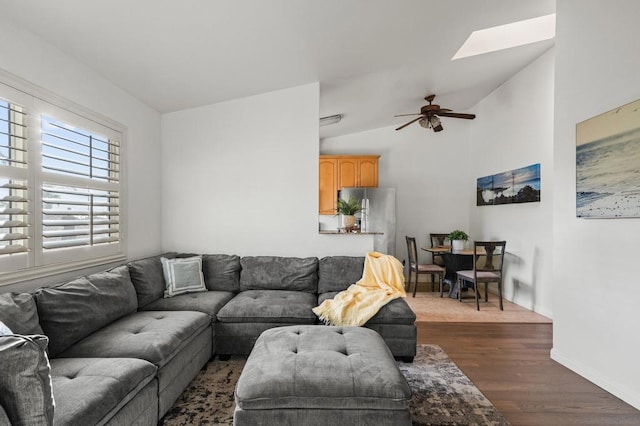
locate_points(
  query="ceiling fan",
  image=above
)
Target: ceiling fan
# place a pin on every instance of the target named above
(430, 116)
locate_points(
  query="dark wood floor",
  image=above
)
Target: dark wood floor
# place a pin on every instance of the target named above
(510, 364)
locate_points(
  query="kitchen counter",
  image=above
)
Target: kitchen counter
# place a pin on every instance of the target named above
(336, 232)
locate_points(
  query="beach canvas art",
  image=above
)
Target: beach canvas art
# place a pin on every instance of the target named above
(515, 186)
(608, 164)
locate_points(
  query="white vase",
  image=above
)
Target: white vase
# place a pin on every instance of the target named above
(348, 221)
(457, 244)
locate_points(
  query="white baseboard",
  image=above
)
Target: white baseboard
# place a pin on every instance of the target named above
(628, 395)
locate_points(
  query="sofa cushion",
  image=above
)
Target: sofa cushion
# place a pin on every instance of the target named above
(72, 311)
(336, 273)
(182, 275)
(324, 296)
(148, 278)
(397, 311)
(270, 306)
(279, 273)
(155, 336)
(25, 380)
(209, 302)
(221, 272)
(18, 311)
(89, 391)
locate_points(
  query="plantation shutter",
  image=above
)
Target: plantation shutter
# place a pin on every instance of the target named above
(14, 203)
(80, 186)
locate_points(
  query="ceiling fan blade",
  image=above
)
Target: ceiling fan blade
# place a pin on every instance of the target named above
(457, 115)
(444, 110)
(406, 115)
(406, 124)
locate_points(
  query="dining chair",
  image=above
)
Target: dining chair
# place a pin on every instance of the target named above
(488, 273)
(437, 240)
(424, 268)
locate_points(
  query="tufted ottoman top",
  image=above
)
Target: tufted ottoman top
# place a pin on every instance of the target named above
(316, 366)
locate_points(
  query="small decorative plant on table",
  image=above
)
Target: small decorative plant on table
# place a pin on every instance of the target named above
(458, 239)
(348, 209)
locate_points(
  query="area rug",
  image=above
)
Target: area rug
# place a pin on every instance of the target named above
(441, 394)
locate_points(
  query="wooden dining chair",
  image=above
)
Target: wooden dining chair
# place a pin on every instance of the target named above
(490, 272)
(418, 268)
(437, 240)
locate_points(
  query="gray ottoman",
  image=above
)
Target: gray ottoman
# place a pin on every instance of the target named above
(320, 375)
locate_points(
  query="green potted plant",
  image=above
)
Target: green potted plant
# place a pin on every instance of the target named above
(348, 209)
(458, 239)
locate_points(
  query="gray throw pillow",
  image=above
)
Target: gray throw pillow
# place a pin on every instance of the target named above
(4, 418)
(183, 275)
(18, 311)
(25, 380)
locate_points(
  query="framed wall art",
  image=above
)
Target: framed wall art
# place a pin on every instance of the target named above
(608, 164)
(515, 186)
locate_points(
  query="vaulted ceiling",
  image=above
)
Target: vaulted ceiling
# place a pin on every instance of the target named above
(373, 58)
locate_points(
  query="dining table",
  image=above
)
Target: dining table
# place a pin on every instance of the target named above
(454, 261)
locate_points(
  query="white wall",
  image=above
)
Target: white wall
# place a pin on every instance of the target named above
(597, 292)
(428, 170)
(515, 129)
(33, 59)
(241, 177)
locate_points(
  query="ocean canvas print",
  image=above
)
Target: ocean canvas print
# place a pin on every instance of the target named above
(515, 186)
(608, 164)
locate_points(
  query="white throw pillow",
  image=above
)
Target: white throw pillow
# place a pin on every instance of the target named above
(183, 275)
(4, 329)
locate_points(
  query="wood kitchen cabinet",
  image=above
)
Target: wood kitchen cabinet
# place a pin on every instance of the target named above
(328, 185)
(368, 172)
(344, 171)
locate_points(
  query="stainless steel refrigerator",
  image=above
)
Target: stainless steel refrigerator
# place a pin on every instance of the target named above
(378, 215)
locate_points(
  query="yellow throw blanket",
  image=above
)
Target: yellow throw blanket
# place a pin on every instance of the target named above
(382, 281)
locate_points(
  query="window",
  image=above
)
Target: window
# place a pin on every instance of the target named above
(60, 187)
(13, 179)
(72, 214)
(15, 205)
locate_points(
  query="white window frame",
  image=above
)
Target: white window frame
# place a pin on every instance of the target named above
(37, 262)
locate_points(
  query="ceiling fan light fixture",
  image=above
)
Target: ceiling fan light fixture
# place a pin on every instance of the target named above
(429, 116)
(424, 122)
(436, 124)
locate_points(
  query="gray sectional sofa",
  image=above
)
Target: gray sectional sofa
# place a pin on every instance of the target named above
(121, 353)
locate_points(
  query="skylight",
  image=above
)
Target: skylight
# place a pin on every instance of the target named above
(508, 35)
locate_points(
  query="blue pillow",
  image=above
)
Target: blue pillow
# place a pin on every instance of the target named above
(183, 275)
